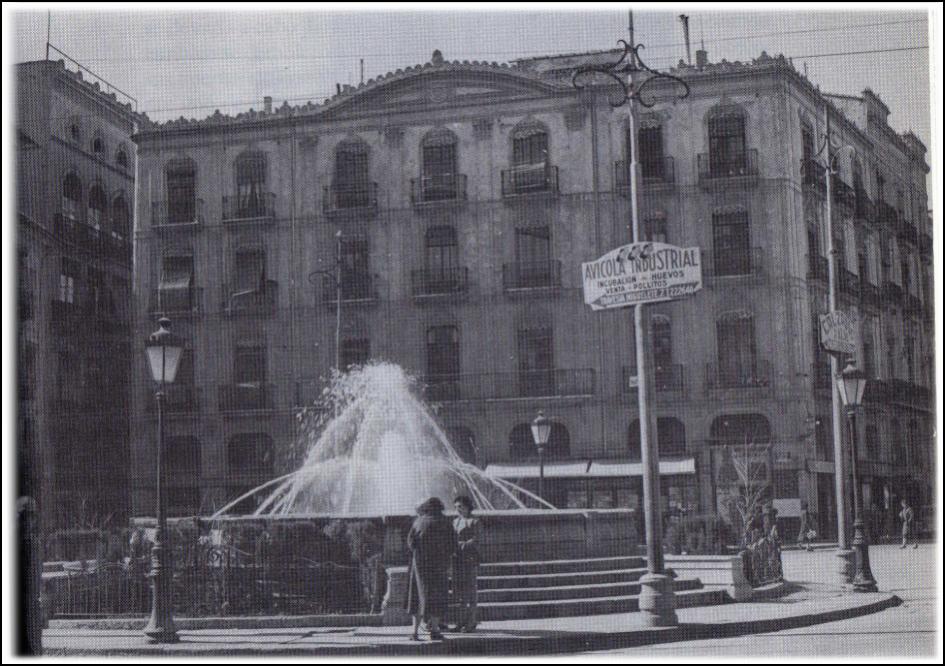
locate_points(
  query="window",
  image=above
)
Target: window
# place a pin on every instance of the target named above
(529, 160)
(181, 192)
(251, 186)
(250, 453)
(731, 244)
(68, 274)
(250, 268)
(250, 364)
(71, 196)
(96, 207)
(651, 152)
(121, 222)
(670, 435)
(442, 257)
(823, 439)
(356, 280)
(655, 229)
(98, 146)
(808, 168)
(352, 179)
(75, 131)
(859, 191)
(728, 155)
(533, 254)
(736, 350)
(121, 158)
(536, 361)
(443, 351)
(355, 352)
(100, 297)
(662, 334)
(175, 290)
(869, 350)
(439, 167)
(880, 187)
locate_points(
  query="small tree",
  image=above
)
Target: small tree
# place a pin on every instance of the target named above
(748, 493)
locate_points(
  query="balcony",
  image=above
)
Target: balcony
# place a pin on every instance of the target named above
(530, 179)
(439, 282)
(355, 287)
(740, 170)
(735, 265)
(654, 174)
(358, 199)
(177, 213)
(870, 294)
(176, 304)
(246, 209)
(849, 282)
(892, 293)
(666, 379)
(511, 385)
(531, 275)
(260, 301)
(178, 399)
(245, 396)
(843, 194)
(441, 189)
(752, 377)
(818, 268)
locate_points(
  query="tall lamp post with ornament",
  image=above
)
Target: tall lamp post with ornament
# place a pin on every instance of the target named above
(541, 431)
(851, 385)
(164, 353)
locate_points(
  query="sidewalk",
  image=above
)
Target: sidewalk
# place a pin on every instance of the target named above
(808, 606)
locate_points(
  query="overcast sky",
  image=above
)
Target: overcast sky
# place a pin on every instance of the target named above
(190, 63)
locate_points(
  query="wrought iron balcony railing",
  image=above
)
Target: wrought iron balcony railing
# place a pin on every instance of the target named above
(749, 375)
(442, 188)
(243, 208)
(245, 396)
(439, 281)
(653, 173)
(360, 198)
(261, 300)
(666, 378)
(713, 168)
(510, 385)
(176, 213)
(732, 265)
(531, 275)
(530, 179)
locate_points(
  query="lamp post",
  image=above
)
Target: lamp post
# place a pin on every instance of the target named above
(851, 384)
(164, 353)
(541, 431)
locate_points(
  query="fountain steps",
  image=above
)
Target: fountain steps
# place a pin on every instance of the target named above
(558, 579)
(596, 564)
(562, 592)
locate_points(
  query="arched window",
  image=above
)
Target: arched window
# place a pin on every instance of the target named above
(463, 442)
(352, 183)
(740, 429)
(97, 204)
(121, 222)
(121, 158)
(439, 171)
(251, 195)
(98, 146)
(671, 437)
(728, 152)
(737, 363)
(522, 443)
(71, 196)
(250, 454)
(181, 192)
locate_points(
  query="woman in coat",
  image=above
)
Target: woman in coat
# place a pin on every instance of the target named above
(432, 542)
(466, 563)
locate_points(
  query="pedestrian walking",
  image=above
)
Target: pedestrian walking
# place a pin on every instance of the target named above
(805, 533)
(432, 542)
(466, 563)
(907, 516)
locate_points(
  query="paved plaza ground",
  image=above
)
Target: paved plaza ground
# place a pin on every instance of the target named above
(816, 618)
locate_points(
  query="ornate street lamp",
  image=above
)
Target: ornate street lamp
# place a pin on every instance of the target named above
(541, 431)
(851, 384)
(164, 353)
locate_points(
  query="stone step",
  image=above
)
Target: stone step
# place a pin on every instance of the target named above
(560, 566)
(553, 579)
(523, 610)
(561, 592)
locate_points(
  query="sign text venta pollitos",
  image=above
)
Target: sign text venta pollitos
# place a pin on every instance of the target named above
(641, 273)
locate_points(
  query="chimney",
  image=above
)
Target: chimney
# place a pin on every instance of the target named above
(267, 104)
(702, 58)
(685, 29)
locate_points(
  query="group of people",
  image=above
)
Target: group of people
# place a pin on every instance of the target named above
(439, 546)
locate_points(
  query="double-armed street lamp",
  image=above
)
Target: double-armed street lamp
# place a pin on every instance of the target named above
(541, 431)
(164, 353)
(851, 385)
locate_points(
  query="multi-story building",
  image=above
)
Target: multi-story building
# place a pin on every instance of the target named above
(75, 191)
(467, 195)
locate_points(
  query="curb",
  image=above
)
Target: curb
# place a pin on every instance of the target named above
(564, 642)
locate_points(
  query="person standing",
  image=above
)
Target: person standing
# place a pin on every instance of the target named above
(907, 516)
(466, 563)
(804, 534)
(432, 542)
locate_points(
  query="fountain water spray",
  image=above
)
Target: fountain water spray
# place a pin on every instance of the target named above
(382, 453)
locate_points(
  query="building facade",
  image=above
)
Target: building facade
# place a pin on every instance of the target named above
(457, 201)
(75, 192)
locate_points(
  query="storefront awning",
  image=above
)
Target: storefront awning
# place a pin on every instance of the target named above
(587, 470)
